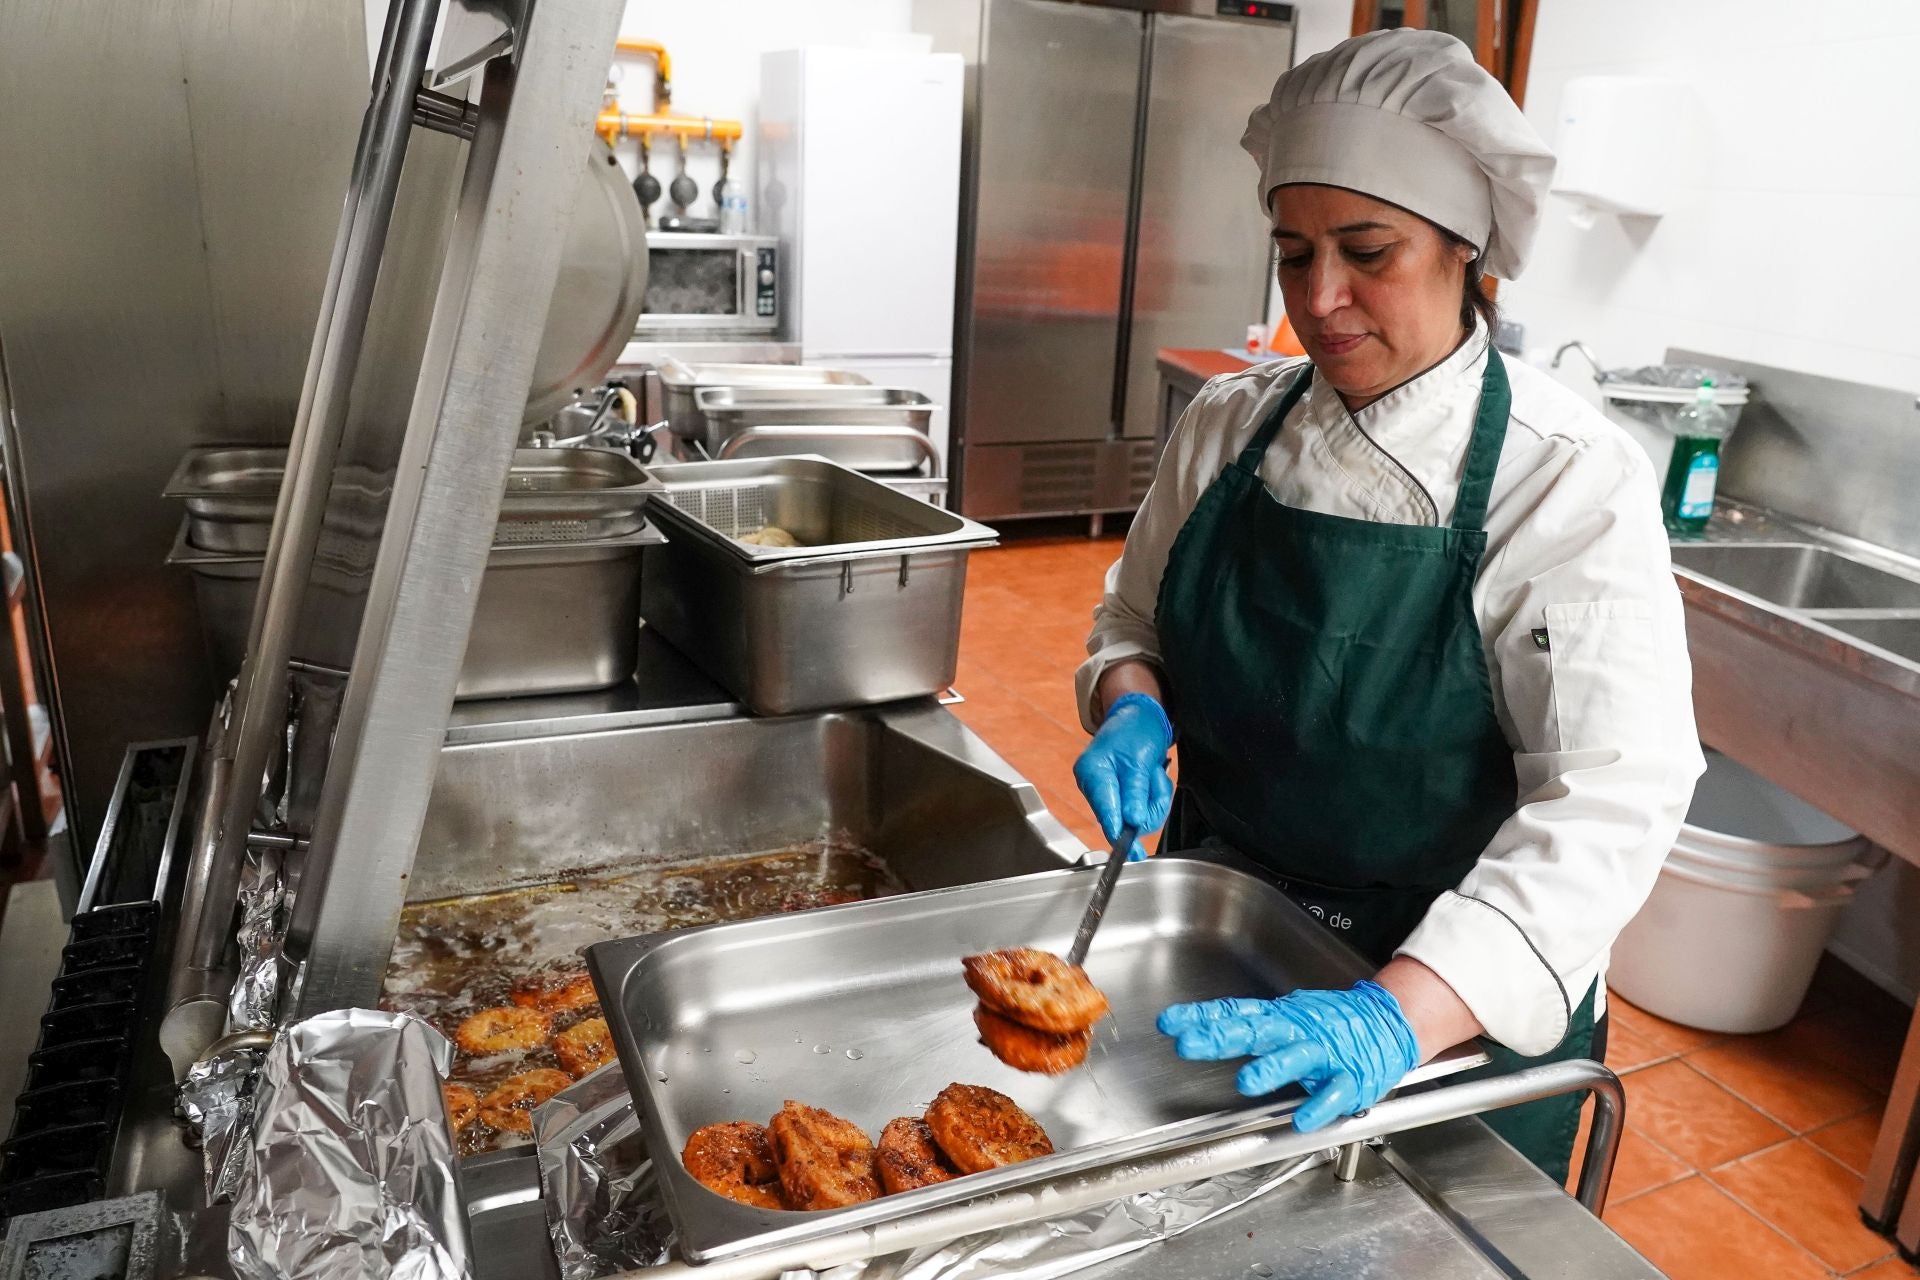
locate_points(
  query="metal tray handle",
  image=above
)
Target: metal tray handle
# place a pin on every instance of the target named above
(1074, 1192)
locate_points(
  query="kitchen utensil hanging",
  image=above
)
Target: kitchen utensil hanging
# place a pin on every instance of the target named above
(646, 187)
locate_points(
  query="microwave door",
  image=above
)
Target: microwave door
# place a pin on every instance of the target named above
(693, 287)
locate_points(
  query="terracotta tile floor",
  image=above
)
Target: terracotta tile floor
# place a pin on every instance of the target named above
(1743, 1154)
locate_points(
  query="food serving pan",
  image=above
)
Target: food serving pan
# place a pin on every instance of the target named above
(868, 611)
(551, 618)
(894, 421)
(552, 495)
(679, 381)
(862, 1010)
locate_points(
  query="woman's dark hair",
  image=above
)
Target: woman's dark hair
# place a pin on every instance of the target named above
(1474, 300)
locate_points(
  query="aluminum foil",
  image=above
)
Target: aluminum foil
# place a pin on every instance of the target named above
(604, 1211)
(217, 1100)
(1044, 1250)
(263, 893)
(352, 1169)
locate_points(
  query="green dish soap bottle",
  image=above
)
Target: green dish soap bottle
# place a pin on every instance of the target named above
(1694, 472)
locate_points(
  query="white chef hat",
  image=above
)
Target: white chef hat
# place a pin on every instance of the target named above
(1410, 118)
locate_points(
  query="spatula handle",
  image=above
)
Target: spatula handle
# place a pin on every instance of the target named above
(1102, 891)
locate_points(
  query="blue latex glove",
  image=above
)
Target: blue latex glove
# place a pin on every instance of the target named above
(1123, 771)
(1347, 1048)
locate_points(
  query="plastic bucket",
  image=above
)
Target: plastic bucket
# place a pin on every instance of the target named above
(1747, 901)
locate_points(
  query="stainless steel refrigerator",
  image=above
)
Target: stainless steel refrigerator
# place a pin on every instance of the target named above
(1107, 212)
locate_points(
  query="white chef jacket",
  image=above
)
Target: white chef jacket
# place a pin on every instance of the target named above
(1600, 719)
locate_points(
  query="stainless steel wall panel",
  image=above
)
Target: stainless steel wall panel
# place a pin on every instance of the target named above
(258, 129)
(1201, 273)
(1054, 135)
(171, 170)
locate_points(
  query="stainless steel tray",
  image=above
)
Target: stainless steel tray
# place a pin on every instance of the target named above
(550, 618)
(728, 414)
(552, 495)
(679, 381)
(876, 450)
(837, 512)
(862, 1010)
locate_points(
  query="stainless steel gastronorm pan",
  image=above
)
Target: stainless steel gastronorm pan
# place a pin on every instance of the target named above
(550, 618)
(862, 1010)
(867, 428)
(869, 613)
(552, 495)
(679, 381)
(837, 512)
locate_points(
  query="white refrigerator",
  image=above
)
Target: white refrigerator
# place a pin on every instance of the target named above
(859, 177)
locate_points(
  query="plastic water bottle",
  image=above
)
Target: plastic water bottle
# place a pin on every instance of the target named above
(1694, 471)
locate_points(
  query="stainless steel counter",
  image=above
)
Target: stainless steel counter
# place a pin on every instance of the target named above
(1806, 669)
(1795, 673)
(1452, 1202)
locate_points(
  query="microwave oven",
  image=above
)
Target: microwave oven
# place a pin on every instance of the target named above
(701, 283)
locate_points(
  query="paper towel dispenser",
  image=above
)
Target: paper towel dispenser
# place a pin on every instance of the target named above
(1625, 143)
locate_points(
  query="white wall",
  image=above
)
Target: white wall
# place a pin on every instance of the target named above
(716, 52)
(1793, 240)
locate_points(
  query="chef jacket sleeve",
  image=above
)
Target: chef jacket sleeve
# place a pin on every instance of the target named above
(1123, 621)
(1588, 655)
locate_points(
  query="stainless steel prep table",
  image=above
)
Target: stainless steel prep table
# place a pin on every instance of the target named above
(1829, 627)
(1452, 1202)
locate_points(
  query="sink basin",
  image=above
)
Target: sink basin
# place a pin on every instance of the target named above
(1800, 577)
(1895, 635)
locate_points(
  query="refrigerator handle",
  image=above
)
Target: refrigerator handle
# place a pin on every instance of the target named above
(1130, 244)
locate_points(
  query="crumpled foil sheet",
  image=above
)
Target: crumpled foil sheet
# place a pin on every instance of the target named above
(352, 1169)
(263, 893)
(217, 1100)
(604, 1212)
(1044, 1250)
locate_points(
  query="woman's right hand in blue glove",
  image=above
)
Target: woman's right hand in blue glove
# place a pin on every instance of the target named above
(1123, 771)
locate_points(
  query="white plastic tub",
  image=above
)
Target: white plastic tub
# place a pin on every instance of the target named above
(1745, 904)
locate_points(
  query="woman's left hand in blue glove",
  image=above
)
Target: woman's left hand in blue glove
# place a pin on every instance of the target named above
(1347, 1048)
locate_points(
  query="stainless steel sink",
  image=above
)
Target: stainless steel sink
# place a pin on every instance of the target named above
(1895, 635)
(1800, 576)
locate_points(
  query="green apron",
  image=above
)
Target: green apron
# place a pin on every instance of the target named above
(1329, 684)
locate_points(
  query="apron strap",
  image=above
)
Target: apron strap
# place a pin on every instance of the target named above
(1483, 451)
(1257, 447)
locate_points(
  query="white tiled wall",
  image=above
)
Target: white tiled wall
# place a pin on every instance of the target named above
(1796, 242)
(1796, 239)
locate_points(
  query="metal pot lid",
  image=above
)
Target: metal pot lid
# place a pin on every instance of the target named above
(602, 282)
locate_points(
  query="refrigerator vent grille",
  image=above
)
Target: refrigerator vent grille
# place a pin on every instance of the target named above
(1058, 477)
(1143, 457)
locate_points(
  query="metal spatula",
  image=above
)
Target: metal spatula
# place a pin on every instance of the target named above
(1102, 891)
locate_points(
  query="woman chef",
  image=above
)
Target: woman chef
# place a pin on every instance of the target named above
(1408, 612)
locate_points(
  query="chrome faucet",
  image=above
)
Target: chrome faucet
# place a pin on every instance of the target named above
(1581, 347)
